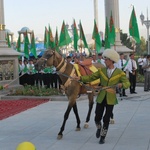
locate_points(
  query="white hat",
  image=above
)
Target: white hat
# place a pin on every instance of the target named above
(111, 54)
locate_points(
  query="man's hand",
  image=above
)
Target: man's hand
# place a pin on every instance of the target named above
(5, 86)
(76, 78)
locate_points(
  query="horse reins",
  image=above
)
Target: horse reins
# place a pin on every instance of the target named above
(87, 87)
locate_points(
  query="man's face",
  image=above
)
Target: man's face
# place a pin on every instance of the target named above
(132, 56)
(108, 62)
(121, 56)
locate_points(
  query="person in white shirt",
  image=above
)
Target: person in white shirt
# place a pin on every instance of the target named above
(100, 59)
(132, 68)
(121, 64)
(146, 67)
(140, 64)
(30, 67)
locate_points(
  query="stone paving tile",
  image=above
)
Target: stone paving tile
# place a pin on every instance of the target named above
(40, 125)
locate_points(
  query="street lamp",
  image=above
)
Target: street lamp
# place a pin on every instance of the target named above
(147, 24)
(70, 29)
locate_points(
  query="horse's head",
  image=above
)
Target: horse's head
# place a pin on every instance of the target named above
(46, 60)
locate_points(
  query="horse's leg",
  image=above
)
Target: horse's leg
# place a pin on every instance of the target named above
(75, 109)
(91, 102)
(66, 115)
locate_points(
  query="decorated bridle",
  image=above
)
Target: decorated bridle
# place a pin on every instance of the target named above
(61, 66)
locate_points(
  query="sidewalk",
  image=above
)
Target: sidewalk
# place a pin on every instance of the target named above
(40, 125)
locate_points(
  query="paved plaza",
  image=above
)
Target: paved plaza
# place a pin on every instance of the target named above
(40, 125)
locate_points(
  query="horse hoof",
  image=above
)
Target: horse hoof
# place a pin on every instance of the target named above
(78, 129)
(86, 125)
(59, 137)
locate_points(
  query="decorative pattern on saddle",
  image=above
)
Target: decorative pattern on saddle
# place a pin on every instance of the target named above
(86, 70)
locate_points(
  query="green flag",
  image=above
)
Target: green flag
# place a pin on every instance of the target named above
(26, 45)
(96, 37)
(8, 40)
(33, 47)
(75, 36)
(133, 27)
(19, 44)
(51, 38)
(112, 34)
(56, 41)
(107, 43)
(46, 38)
(82, 36)
(64, 38)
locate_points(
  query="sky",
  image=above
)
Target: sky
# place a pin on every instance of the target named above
(36, 14)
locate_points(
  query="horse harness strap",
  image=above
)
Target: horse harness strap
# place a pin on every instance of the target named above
(69, 79)
(60, 63)
(63, 68)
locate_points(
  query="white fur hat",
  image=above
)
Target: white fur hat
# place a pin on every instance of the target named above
(111, 54)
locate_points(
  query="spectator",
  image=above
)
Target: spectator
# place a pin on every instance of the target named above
(146, 67)
(132, 68)
(140, 64)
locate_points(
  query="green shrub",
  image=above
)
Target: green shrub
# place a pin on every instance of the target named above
(140, 78)
(35, 91)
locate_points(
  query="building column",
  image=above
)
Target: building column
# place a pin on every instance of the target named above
(113, 6)
(96, 12)
(2, 25)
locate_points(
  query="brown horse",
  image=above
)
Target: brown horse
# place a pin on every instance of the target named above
(72, 87)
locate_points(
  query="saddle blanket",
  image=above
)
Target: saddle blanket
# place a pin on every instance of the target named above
(91, 69)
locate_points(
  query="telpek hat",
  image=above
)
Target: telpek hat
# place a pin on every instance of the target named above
(111, 54)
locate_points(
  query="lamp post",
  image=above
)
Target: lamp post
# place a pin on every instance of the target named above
(70, 29)
(147, 24)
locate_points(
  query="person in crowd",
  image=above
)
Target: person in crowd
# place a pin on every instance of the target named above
(21, 67)
(69, 59)
(38, 76)
(55, 78)
(132, 68)
(94, 59)
(100, 59)
(30, 66)
(146, 67)
(106, 99)
(121, 64)
(140, 64)
(25, 77)
(47, 77)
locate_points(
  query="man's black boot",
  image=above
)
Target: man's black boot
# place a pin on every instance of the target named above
(102, 140)
(103, 135)
(98, 130)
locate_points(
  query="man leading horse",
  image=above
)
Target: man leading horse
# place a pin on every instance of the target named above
(106, 99)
